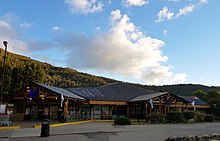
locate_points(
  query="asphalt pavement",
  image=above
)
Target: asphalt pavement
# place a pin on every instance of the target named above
(105, 131)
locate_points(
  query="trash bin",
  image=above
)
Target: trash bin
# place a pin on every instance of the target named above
(45, 128)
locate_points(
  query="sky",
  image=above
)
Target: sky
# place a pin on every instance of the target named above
(153, 42)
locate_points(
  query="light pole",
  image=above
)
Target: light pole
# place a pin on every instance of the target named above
(5, 43)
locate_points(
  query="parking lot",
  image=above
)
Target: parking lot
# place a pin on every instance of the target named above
(105, 131)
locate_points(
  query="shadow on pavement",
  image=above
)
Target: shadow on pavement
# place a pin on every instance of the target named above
(100, 136)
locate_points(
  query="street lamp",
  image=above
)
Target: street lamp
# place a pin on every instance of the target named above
(5, 43)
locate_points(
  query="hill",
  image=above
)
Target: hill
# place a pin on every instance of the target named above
(21, 70)
(183, 89)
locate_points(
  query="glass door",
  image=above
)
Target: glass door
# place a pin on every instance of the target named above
(34, 111)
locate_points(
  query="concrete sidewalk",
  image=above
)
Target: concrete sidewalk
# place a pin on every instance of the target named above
(29, 124)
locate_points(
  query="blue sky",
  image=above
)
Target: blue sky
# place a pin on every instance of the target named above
(153, 42)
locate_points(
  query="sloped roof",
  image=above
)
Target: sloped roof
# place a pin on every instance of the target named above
(111, 92)
(197, 101)
(61, 91)
(147, 97)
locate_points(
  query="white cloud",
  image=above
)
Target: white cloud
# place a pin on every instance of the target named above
(9, 17)
(185, 10)
(165, 32)
(8, 33)
(34, 48)
(56, 28)
(115, 15)
(135, 2)
(203, 1)
(164, 14)
(122, 51)
(85, 6)
(26, 25)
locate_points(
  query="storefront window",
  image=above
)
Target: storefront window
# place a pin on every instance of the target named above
(105, 109)
(53, 112)
(97, 112)
(34, 110)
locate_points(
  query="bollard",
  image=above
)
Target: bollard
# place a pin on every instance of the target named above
(45, 128)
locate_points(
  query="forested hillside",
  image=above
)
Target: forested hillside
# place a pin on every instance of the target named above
(183, 89)
(21, 70)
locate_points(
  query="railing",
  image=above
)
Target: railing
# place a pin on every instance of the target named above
(5, 120)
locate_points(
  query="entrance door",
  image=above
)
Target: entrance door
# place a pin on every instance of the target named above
(46, 112)
(34, 112)
(53, 112)
(40, 113)
(27, 113)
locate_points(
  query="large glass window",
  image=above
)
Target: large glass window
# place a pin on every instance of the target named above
(105, 109)
(34, 110)
(97, 112)
(53, 112)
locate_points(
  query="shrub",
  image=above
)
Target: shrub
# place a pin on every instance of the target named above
(209, 118)
(174, 116)
(188, 114)
(156, 118)
(216, 118)
(191, 121)
(199, 117)
(122, 120)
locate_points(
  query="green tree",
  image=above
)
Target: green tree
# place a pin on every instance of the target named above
(200, 94)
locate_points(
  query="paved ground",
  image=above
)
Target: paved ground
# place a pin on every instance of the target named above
(104, 131)
(29, 124)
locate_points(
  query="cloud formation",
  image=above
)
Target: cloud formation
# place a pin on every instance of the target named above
(8, 33)
(26, 25)
(85, 6)
(165, 32)
(164, 14)
(185, 10)
(135, 2)
(122, 51)
(56, 28)
(203, 1)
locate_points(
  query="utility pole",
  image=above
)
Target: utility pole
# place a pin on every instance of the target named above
(5, 43)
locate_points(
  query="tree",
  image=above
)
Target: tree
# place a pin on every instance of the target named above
(200, 94)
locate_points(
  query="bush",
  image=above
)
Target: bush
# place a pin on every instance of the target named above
(209, 118)
(174, 116)
(188, 115)
(216, 118)
(122, 120)
(199, 117)
(156, 118)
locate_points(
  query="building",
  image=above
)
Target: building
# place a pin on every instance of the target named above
(39, 101)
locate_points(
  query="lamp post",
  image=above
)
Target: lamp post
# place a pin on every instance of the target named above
(5, 43)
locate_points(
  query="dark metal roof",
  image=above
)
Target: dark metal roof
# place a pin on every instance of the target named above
(61, 91)
(147, 97)
(111, 92)
(197, 101)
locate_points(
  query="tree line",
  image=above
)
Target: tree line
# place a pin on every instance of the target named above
(212, 97)
(21, 71)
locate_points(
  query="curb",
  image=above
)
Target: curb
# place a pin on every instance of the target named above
(9, 127)
(73, 123)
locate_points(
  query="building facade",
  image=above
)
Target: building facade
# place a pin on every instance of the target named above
(39, 101)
